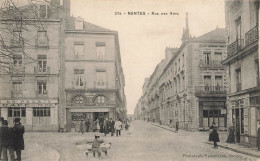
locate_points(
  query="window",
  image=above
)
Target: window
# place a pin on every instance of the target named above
(78, 24)
(206, 57)
(78, 100)
(17, 112)
(41, 112)
(78, 77)
(42, 11)
(17, 60)
(42, 38)
(42, 87)
(79, 49)
(100, 52)
(17, 39)
(101, 99)
(100, 78)
(218, 56)
(17, 86)
(42, 63)
(257, 71)
(238, 79)
(207, 82)
(218, 82)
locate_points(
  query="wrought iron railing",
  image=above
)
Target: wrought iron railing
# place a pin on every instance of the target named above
(40, 70)
(235, 47)
(251, 36)
(210, 90)
(210, 63)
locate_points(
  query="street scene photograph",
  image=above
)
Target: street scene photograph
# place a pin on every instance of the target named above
(129, 80)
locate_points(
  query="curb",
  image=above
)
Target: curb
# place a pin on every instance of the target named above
(236, 150)
(225, 147)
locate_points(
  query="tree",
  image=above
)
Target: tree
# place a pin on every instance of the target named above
(17, 23)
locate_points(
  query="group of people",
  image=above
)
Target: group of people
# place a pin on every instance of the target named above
(103, 126)
(11, 140)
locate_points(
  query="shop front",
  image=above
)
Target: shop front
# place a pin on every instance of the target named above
(36, 115)
(75, 115)
(213, 112)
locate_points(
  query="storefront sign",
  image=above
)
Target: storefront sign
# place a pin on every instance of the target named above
(91, 110)
(27, 101)
(78, 116)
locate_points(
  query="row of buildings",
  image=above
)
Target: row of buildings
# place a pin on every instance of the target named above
(65, 70)
(213, 78)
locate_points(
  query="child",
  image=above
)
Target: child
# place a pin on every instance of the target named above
(96, 146)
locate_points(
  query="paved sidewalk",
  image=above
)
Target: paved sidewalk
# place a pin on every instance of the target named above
(203, 136)
(37, 152)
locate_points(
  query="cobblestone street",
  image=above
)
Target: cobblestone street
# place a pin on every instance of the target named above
(142, 142)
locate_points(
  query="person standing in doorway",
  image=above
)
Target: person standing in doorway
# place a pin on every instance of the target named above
(87, 124)
(81, 126)
(106, 126)
(19, 140)
(98, 125)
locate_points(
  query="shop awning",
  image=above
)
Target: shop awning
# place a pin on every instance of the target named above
(90, 110)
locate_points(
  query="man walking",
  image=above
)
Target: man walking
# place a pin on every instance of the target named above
(7, 136)
(19, 141)
(118, 127)
(106, 126)
(111, 125)
(1, 124)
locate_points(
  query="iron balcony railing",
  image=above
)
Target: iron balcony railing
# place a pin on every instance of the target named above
(235, 47)
(101, 85)
(39, 70)
(251, 36)
(42, 93)
(210, 90)
(210, 63)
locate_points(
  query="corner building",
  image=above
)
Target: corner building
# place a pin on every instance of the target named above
(94, 81)
(242, 35)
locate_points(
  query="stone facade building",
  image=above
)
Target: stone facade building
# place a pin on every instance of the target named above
(189, 85)
(243, 69)
(65, 69)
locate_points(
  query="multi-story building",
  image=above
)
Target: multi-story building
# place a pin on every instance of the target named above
(60, 69)
(243, 69)
(94, 80)
(189, 85)
(30, 88)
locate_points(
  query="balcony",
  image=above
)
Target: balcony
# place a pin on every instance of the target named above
(210, 90)
(210, 64)
(16, 93)
(251, 36)
(235, 47)
(82, 86)
(40, 94)
(100, 85)
(38, 70)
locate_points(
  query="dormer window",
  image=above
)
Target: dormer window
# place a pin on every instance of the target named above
(78, 24)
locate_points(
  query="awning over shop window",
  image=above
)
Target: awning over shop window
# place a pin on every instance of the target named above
(90, 110)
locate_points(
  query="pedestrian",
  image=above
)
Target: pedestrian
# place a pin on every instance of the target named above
(215, 137)
(7, 136)
(111, 125)
(177, 126)
(98, 125)
(94, 126)
(87, 124)
(118, 127)
(1, 124)
(106, 126)
(19, 141)
(231, 135)
(81, 126)
(96, 146)
(171, 124)
(101, 126)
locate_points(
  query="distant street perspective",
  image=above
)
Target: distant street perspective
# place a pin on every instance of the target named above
(142, 142)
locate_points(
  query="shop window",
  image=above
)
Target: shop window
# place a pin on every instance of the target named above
(17, 112)
(41, 112)
(205, 113)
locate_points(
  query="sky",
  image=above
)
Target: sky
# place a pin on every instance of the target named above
(143, 38)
